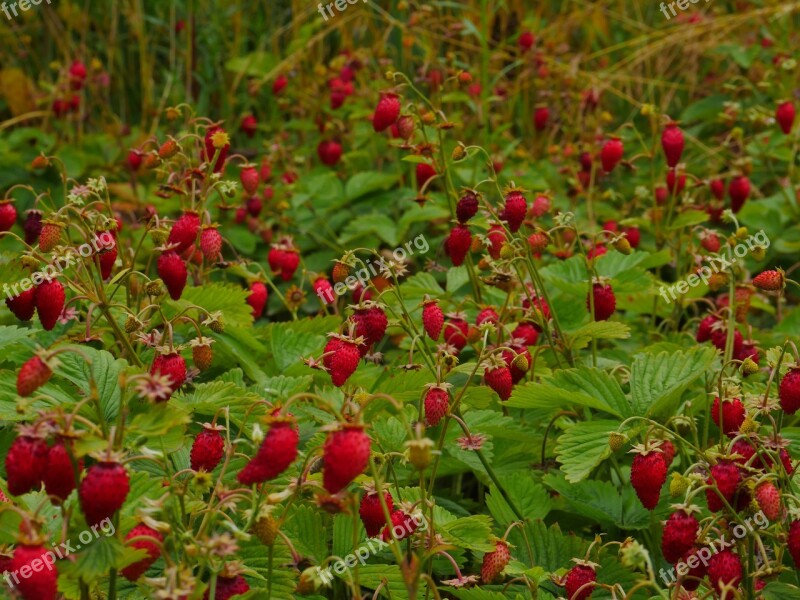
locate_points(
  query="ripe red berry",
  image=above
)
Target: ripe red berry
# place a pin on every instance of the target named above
(580, 582)
(49, 301)
(668, 450)
(432, 319)
(249, 126)
(26, 462)
(676, 182)
(59, 477)
(769, 281)
(467, 207)
(711, 242)
(250, 179)
(134, 160)
(793, 542)
(107, 256)
(732, 417)
(648, 474)
(329, 152)
(207, 449)
(403, 525)
(210, 244)
(345, 456)
(323, 289)
(371, 511)
(340, 358)
(487, 315)
(515, 209)
(172, 270)
(679, 535)
(284, 260)
(500, 380)
(672, 142)
(184, 231)
(455, 332)
(769, 500)
(8, 215)
(172, 366)
(424, 172)
(32, 375)
(103, 491)
(789, 392)
(257, 299)
(717, 187)
(210, 151)
(41, 584)
(387, 112)
(458, 244)
(227, 587)
(526, 332)
(739, 191)
(784, 115)
(704, 329)
(494, 562)
(604, 301)
(526, 40)
(24, 305)
(611, 154)
(371, 323)
(32, 227)
(725, 478)
(724, 569)
(496, 237)
(152, 546)
(437, 403)
(276, 453)
(540, 118)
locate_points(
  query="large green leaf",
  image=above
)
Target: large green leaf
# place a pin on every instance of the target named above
(529, 497)
(472, 532)
(101, 371)
(227, 298)
(584, 446)
(367, 182)
(598, 330)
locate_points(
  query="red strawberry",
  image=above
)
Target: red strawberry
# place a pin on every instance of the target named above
(719, 336)
(611, 154)
(676, 182)
(432, 319)
(387, 112)
(526, 332)
(467, 207)
(789, 391)
(254, 206)
(134, 160)
(541, 206)
(329, 152)
(405, 127)
(745, 448)
(437, 402)
(32, 375)
(341, 358)
(784, 115)
(39, 585)
(50, 236)
(103, 491)
(184, 231)
(371, 323)
(284, 260)
(108, 258)
(487, 315)
(604, 301)
(526, 40)
(733, 415)
(538, 242)
(276, 453)
(249, 126)
(210, 150)
(679, 535)
(668, 450)
(170, 365)
(586, 161)
(26, 462)
(770, 281)
(403, 525)
(691, 581)
(77, 74)
(769, 500)
(257, 299)
(424, 172)
(517, 374)
(661, 195)
(371, 511)
(580, 582)
(540, 118)
(739, 191)
(711, 242)
(724, 569)
(49, 302)
(496, 237)
(152, 546)
(323, 289)
(455, 331)
(648, 474)
(207, 449)
(172, 270)
(8, 215)
(249, 178)
(280, 83)
(793, 542)
(59, 476)
(458, 244)
(345, 456)
(494, 562)
(32, 227)
(672, 142)
(634, 236)
(704, 329)
(717, 187)
(500, 380)
(725, 477)
(786, 460)
(24, 305)
(210, 244)
(515, 209)
(227, 587)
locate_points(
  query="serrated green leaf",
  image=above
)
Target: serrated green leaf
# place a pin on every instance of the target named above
(598, 330)
(472, 533)
(584, 446)
(367, 182)
(227, 298)
(530, 498)
(97, 367)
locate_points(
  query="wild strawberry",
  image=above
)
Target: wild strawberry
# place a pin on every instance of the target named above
(207, 449)
(340, 358)
(134, 160)
(371, 323)
(32, 375)
(329, 152)
(227, 587)
(257, 298)
(668, 450)
(711, 242)
(403, 525)
(458, 243)
(786, 460)
(77, 74)
(467, 207)
(634, 236)
(26, 462)
(672, 142)
(661, 195)
(249, 178)
(604, 301)
(496, 237)
(32, 227)
(745, 449)
(541, 116)
(184, 231)
(679, 535)
(719, 336)
(739, 191)
(487, 315)
(24, 305)
(202, 353)
(717, 187)
(724, 570)
(213, 134)
(172, 366)
(386, 113)
(437, 402)
(172, 270)
(789, 392)
(40, 584)
(49, 301)
(648, 474)
(276, 453)
(59, 477)
(770, 281)
(50, 236)
(691, 580)
(103, 491)
(455, 331)
(515, 209)
(769, 500)
(152, 546)
(725, 478)
(371, 511)
(793, 542)
(249, 125)
(361, 294)
(280, 83)
(580, 582)
(494, 562)
(323, 289)
(526, 40)
(210, 244)
(168, 149)
(676, 182)
(432, 319)
(586, 161)
(498, 377)
(611, 154)
(345, 456)
(784, 115)
(527, 332)
(540, 206)
(107, 259)
(8, 215)
(538, 242)
(595, 251)
(704, 329)
(283, 259)
(518, 361)
(424, 172)
(732, 417)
